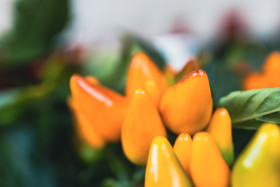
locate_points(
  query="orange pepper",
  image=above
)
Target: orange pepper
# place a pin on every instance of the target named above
(272, 64)
(220, 129)
(142, 124)
(152, 88)
(270, 76)
(187, 105)
(182, 148)
(141, 70)
(256, 81)
(84, 127)
(104, 108)
(207, 166)
(163, 168)
(272, 69)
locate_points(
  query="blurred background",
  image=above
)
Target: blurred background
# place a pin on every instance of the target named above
(44, 42)
(92, 19)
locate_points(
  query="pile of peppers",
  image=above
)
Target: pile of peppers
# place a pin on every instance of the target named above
(203, 152)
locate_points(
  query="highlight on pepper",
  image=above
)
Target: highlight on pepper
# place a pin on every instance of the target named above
(96, 103)
(186, 107)
(163, 168)
(258, 164)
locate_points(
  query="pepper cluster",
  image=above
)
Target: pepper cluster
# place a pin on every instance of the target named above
(203, 150)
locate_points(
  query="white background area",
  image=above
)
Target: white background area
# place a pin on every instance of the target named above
(95, 18)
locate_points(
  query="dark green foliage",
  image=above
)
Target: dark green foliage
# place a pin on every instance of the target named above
(36, 26)
(251, 108)
(111, 67)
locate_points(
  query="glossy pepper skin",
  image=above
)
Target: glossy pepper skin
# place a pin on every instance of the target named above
(84, 127)
(257, 164)
(187, 105)
(141, 125)
(220, 130)
(163, 168)
(207, 166)
(103, 108)
(182, 148)
(141, 70)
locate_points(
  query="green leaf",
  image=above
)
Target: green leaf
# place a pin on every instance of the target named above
(36, 26)
(248, 125)
(250, 108)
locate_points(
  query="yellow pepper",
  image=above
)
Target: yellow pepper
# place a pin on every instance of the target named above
(207, 166)
(182, 148)
(141, 125)
(163, 168)
(186, 107)
(257, 165)
(220, 129)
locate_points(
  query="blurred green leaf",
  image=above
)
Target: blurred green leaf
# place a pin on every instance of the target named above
(222, 79)
(36, 26)
(110, 67)
(222, 68)
(138, 44)
(250, 108)
(18, 164)
(110, 182)
(15, 102)
(253, 53)
(89, 154)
